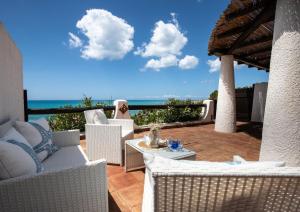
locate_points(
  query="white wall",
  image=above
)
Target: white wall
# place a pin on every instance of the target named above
(259, 102)
(11, 79)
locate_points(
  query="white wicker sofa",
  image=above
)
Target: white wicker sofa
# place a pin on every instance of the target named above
(188, 188)
(69, 182)
(108, 140)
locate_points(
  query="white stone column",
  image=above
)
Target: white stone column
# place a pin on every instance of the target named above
(226, 108)
(281, 132)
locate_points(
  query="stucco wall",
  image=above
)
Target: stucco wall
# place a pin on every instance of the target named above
(11, 79)
(259, 102)
(281, 132)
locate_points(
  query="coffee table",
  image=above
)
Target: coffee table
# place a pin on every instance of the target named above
(134, 154)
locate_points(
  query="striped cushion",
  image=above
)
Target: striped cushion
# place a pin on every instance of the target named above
(17, 157)
(39, 136)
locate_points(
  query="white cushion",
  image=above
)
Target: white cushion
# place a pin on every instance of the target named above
(100, 117)
(65, 157)
(39, 136)
(127, 134)
(95, 117)
(5, 127)
(89, 116)
(17, 157)
(238, 159)
(158, 163)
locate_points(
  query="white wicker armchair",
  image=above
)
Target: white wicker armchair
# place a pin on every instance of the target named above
(219, 189)
(69, 183)
(108, 140)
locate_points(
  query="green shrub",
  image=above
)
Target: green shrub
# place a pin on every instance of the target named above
(68, 121)
(169, 115)
(214, 95)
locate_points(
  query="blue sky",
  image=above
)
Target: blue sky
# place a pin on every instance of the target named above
(131, 49)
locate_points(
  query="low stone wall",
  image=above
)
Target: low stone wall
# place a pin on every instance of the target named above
(172, 125)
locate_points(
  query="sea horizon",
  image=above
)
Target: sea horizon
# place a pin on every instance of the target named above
(75, 102)
(46, 104)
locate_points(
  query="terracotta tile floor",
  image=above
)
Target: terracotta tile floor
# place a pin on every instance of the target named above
(126, 189)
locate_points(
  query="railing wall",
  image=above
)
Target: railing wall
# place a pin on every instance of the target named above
(49, 111)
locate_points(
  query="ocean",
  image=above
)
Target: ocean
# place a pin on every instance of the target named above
(34, 104)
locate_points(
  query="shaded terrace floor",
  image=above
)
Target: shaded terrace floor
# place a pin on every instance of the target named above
(126, 189)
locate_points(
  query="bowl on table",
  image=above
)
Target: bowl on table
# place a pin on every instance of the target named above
(174, 145)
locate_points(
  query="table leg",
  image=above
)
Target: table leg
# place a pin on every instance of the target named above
(133, 159)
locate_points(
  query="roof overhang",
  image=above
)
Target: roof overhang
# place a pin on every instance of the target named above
(245, 30)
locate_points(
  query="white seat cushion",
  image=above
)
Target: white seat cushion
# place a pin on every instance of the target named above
(157, 164)
(238, 159)
(127, 134)
(65, 157)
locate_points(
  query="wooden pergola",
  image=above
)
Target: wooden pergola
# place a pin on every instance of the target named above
(252, 32)
(245, 30)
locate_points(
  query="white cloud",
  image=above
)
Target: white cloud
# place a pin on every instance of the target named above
(166, 39)
(74, 41)
(109, 37)
(174, 19)
(165, 46)
(163, 62)
(215, 65)
(188, 62)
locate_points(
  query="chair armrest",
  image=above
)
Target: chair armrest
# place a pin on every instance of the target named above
(82, 188)
(111, 127)
(127, 124)
(66, 138)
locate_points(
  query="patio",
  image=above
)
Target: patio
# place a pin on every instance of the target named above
(126, 189)
(264, 35)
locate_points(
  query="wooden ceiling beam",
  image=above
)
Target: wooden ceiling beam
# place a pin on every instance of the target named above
(257, 51)
(252, 63)
(249, 43)
(259, 40)
(241, 29)
(267, 14)
(217, 52)
(241, 12)
(263, 57)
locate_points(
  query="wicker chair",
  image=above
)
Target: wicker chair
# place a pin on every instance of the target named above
(108, 140)
(273, 189)
(69, 183)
